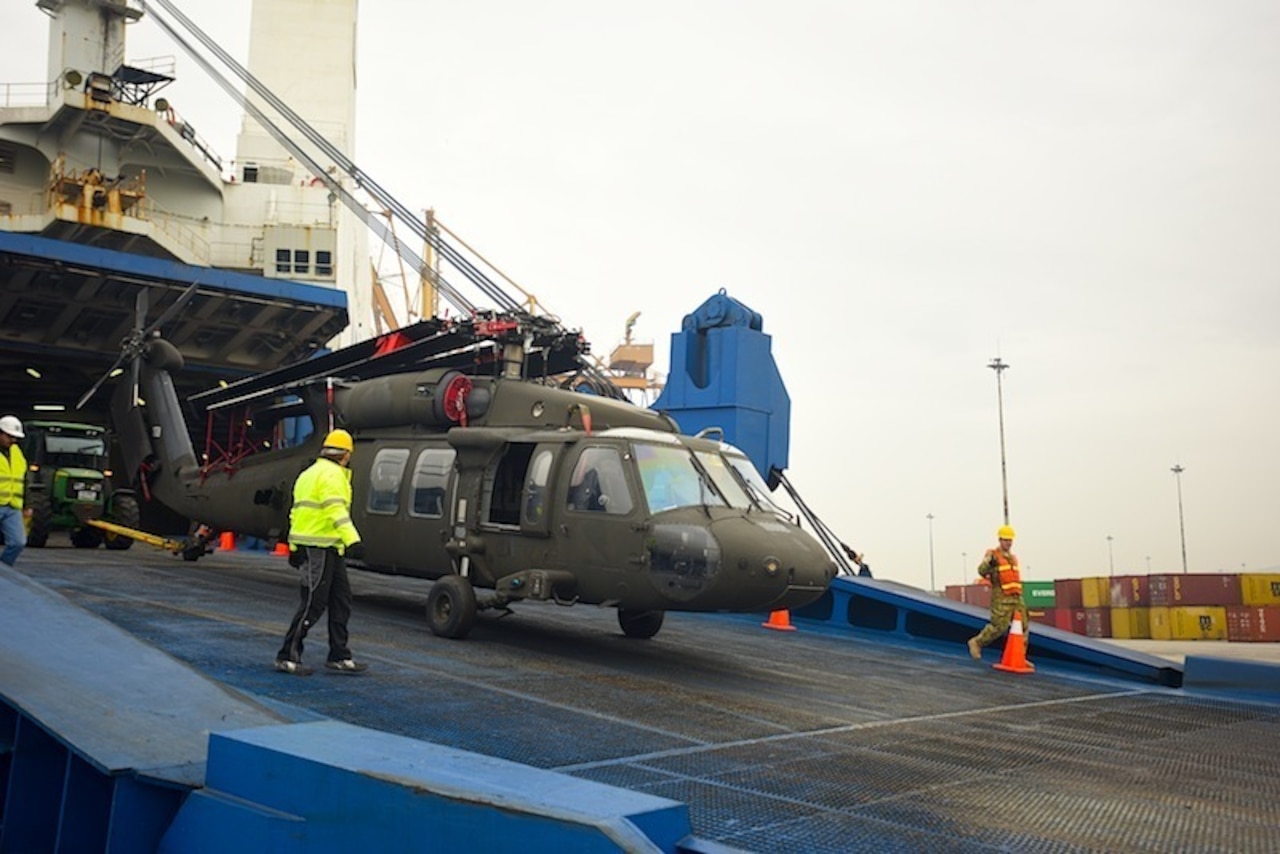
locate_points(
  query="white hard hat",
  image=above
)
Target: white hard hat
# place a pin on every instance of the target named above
(12, 426)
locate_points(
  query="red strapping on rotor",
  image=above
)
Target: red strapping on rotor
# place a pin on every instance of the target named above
(455, 399)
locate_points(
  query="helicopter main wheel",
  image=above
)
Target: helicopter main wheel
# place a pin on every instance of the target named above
(451, 607)
(124, 512)
(640, 624)
(41, 518)
(86, 537)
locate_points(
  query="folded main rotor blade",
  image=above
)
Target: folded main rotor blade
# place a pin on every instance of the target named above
(141, 306)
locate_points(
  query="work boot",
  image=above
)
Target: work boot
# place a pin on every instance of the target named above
(294, 668)
(975, 651)
(346, 665)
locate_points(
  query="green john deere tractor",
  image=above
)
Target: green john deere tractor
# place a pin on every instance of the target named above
(69, 483)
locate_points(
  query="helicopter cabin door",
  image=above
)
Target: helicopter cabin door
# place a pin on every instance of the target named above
(518, 489)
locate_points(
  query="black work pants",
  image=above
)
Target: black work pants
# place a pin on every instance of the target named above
(325, 586)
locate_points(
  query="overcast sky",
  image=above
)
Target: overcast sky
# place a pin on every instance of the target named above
(903, 189)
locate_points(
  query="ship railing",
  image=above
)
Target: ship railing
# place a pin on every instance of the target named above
(174, 226)
(27, 94)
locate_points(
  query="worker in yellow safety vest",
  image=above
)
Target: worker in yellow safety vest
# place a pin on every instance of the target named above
(1000, 567)
(321, 538)
(13, 473)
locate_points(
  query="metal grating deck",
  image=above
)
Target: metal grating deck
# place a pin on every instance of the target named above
(810, 741)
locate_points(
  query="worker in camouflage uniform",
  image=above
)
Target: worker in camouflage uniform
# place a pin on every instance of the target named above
(1000, 567)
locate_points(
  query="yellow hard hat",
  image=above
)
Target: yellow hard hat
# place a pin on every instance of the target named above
(1005, 532)
(340, 439)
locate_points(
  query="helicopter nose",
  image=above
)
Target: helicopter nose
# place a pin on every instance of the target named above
(773, 564)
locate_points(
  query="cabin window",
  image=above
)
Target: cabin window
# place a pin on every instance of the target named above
(431, 482)
(598, 484)
(506, 485)
(301, 261)
(283, 259)
(385, 479)
(324, 263)
(671, 480)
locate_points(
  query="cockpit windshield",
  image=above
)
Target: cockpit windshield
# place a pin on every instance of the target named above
(723, 478)
(755, 483)
(671, 480)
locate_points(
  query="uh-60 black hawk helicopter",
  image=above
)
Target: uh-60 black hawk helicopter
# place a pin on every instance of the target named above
(466, 471)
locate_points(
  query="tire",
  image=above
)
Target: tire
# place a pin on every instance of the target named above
(86, 537)
(451, 607)
(641, 625)
(41, 517)
(124, 512)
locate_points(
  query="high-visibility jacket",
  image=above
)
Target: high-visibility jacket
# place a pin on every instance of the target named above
(13, 472)
(1004, 571)
(321, 512)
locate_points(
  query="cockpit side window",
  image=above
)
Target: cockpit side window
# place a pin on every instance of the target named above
(385, 479)
(431, 482)
(598, 484)
(671, 480)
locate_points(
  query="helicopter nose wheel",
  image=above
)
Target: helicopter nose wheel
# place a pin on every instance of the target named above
(640, 624)
(451, 607)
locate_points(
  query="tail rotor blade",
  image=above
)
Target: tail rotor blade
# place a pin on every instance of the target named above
(141, 306)
(84, 398)
(178, 305)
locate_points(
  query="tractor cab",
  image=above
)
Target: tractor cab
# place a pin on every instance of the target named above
(69, 483)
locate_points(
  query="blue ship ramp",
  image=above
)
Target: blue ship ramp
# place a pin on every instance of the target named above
(839, 736)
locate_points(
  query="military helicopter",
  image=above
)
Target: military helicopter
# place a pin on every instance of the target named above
(475, 469)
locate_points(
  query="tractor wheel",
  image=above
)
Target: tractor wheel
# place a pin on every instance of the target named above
(451, 607)
(640, 624)
(86, 537)
(124, 512)
(41, 519)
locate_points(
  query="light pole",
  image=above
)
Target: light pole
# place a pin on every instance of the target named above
(964, 567)
(933, 585)
(1148, 564)
(1182, 527)
(1110, 560)
(999, 367)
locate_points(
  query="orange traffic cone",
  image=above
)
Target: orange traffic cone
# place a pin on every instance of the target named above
(780, 621)
(1015, 651)
(282, 548)
(227, 541)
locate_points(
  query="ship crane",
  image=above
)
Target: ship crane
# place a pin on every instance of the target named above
(505, 303)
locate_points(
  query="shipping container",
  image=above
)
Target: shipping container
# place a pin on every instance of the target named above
(1095, 592)
(1069, 619)
(1067, 594)
(1130, 591)
(1258, 589)
(1044, 616)
(1195, 589)
(1253, 623)
(978, 594)
(1097, 621)
(1188, 622)
(954, 592)
(1130, 623)
(1039, 595)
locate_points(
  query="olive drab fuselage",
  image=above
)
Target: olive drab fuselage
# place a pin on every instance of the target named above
(533, 491)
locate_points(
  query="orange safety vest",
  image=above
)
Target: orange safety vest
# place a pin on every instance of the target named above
(1006, 573)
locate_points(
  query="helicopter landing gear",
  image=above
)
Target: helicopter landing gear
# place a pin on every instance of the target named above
(640, 624)
(451, 607)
